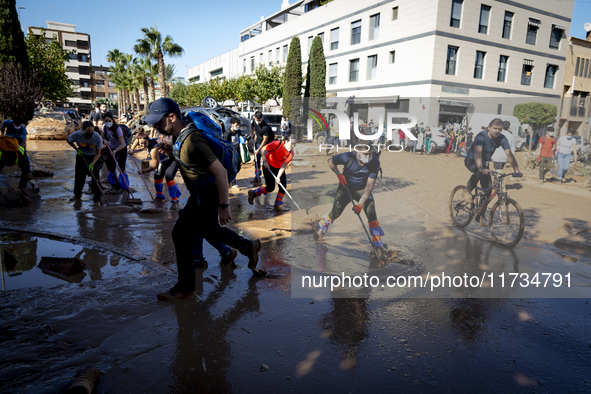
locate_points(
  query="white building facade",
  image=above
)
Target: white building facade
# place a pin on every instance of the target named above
(79, 64)
(434, 58)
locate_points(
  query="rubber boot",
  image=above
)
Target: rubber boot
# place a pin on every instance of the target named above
(112, 177)
(173, 191)
(124, 181)
(159, 189)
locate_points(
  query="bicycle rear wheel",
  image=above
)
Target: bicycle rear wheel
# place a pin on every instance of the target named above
(506, 222)
(459, 209)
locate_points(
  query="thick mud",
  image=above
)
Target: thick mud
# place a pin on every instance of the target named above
(247, 334)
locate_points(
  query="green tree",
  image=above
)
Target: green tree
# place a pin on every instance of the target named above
(153, 45)
(49, 60)
(12, 40)
(268, 83)
(111, 104)
(535, 114)
(317, 71)
(292, 83)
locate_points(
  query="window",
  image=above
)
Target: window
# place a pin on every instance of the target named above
(479, 64)
(532, 31)
(395, 13)
(310, 40)
(244, 66)
(332, 73)
(526, 71)
(392, 57)
(577, 66)
(216, 72)
(49, 40)
(353, 70)
(578, 104)
(285, 48)
(555, 36)
(452, 55)
(111, 84)
(586, 68)
(311, 5)
(76, 82)
(261, 61)
(321, 35)
(73, 56)
(251, 63)
(70, 43)
(456, 13)
(72, 69)
(100, 95)
(271, 58)
(550, 74)
(507, 24)
(372, 66)
(502, 74)
(84, 70)
(85, 83)
(82, 44)
(83, 58)
(356, 32)
(113, 96)
(334, 39)
(484, 15)
(100, 84)
(374, 27)
(277, 54)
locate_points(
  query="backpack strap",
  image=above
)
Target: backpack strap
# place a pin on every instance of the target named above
(176, 151)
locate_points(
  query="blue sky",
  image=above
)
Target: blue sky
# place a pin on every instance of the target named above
(204, 28)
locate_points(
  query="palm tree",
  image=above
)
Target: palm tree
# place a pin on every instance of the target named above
(114, 57)
(141, 75)
(169, 72)
(153, 45)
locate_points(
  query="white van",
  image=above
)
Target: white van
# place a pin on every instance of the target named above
(477, 120)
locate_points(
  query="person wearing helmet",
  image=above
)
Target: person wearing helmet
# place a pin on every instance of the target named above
(359, 176)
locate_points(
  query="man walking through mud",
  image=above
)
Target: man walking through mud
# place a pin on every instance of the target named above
(359, 176)
(479, 156)
(207, 209)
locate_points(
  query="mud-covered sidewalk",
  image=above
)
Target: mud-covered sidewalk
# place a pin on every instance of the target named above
(246, 334)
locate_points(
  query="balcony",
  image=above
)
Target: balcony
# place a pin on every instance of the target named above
(575, 108)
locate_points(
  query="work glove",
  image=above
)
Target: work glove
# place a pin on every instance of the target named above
(342, 180)
(91, 167)
(357, 209)
(79, 152)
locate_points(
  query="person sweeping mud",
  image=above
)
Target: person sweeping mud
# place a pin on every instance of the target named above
(112, 135)
(164, 167)
(207, 208)
(275, 157)
(88, 159)
(359, 176)
(12, 154)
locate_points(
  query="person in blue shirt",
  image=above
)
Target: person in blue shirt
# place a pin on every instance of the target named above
(359, 176)
(480, 155)
(88, 144)
(15, 128)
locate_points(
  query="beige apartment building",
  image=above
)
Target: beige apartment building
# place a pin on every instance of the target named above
(575, 105)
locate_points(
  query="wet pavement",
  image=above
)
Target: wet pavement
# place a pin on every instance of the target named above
(245, 334)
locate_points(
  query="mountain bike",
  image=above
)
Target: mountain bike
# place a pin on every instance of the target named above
(505, 222)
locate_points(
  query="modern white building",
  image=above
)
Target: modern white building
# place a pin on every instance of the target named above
(433, 58)
(79, 64)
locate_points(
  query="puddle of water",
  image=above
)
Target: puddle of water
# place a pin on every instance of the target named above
(22, 270)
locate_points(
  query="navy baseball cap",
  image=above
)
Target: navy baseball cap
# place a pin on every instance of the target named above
(161, 107)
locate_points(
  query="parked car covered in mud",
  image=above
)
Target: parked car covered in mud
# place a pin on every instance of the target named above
(51, 126)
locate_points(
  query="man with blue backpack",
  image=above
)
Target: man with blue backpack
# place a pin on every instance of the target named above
(198, 152)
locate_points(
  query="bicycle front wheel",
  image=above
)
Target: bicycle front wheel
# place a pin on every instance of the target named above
(459, 209)
(506, 222)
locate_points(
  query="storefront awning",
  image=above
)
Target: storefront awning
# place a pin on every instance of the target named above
(456, 103)
(555, 26)
(528, 62)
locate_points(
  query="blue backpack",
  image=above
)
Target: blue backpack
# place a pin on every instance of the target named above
(211, 131)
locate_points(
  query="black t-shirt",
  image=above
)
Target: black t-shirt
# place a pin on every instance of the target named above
(489, 145)
(97, 116)
(262, 130)
(232, 137)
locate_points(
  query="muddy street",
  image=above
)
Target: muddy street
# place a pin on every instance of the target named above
(245, 334)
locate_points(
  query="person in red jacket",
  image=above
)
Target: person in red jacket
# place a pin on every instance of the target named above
(275, 157)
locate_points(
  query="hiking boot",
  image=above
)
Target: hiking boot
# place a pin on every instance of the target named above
(253, 255)
(469, 198)
(76, 198)
(541, 181)
(251, 197)
(175, 294)
(228, 260)
(174, 206)
(200, 263)
(280, 208)
(97, 203)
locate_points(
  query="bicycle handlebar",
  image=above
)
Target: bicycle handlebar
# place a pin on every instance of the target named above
(514, 174)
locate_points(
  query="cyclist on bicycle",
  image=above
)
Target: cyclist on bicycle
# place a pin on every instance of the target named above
(479, 156)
